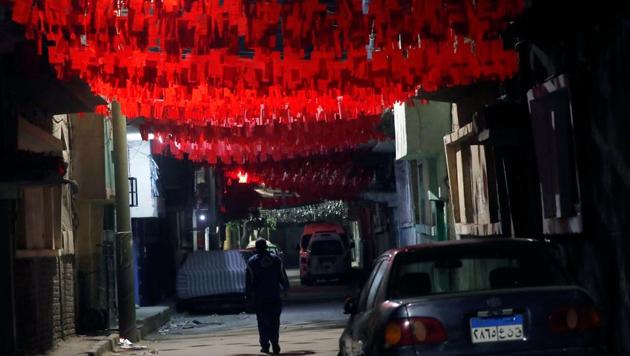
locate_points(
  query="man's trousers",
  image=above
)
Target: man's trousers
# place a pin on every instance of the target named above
(268, 317)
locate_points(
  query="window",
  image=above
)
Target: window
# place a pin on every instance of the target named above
(368, 286)
(133, 191)
(472, 268)
(326, 247)
(305, 240)
(376, 285)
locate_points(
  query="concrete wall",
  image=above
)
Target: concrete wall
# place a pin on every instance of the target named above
(88, 156)
(89, 172)
(91, 166)
(89, 253)
(140, 166)
(404, 211)
(421, 127)
(108, 144)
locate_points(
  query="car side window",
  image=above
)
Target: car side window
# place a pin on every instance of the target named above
(305, 241)
(368, 286)
(376, 284)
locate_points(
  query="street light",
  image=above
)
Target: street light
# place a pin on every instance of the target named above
(203, 218)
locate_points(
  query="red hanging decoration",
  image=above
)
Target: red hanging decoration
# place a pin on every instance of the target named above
(336, 177)
(253, 144)
(234, 63)
(243, 82)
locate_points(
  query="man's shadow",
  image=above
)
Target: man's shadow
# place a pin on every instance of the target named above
(291, 353)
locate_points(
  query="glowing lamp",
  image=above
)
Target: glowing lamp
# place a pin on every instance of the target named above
(242, 177)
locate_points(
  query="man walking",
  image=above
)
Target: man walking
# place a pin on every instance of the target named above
(266, 279)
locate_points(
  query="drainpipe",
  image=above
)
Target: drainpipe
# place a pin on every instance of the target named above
(124, 252)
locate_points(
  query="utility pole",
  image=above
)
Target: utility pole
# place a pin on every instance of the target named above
(124, 255)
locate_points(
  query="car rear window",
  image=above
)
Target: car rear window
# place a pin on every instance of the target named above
(326, 247)
(471, 268)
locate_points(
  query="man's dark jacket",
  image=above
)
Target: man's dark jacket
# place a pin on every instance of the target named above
(266, 278)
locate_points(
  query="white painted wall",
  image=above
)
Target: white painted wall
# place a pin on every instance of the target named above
(140, 168)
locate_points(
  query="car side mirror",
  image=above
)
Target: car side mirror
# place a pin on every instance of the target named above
(350, 306)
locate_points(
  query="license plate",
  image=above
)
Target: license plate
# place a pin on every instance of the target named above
(498, 329)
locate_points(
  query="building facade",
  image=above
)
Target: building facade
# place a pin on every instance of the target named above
(421, 171)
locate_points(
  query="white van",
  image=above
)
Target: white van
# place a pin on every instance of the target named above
(328, 257)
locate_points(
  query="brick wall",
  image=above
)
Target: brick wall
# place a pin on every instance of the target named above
(44, 297)
(68, 285)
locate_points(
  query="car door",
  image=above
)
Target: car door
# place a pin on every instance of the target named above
(366, 315)
(376, 311)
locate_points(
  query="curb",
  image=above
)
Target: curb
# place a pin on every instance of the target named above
(154, 322)
(144, 328)
(103, 346)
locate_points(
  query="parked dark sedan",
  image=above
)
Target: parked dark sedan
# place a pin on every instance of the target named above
(471, 297)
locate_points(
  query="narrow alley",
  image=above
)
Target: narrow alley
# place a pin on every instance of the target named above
(314, 177)
(315, 339)
(311, 321)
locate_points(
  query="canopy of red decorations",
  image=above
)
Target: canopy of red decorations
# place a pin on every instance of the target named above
(243, 81)
(335, 177)
(239, 145)
(246, 62)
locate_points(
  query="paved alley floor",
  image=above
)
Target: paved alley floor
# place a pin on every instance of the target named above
(311, 322)
(296, 340)
(75, 345)
(294, 313)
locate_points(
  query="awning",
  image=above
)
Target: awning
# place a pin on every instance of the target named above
(33, 139)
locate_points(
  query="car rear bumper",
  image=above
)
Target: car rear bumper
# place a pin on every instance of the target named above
(567, 351)
(579, 351)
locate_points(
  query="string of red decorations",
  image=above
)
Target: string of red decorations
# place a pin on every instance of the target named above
(251, 144)
(337, 177)
(242, 62)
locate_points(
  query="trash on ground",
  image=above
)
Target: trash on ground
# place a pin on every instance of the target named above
(125, 344)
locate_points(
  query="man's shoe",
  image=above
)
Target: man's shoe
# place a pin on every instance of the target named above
(265, 350)
(276, 349)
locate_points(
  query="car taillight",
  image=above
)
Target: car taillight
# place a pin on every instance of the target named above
(574, 319)
(411, 331)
